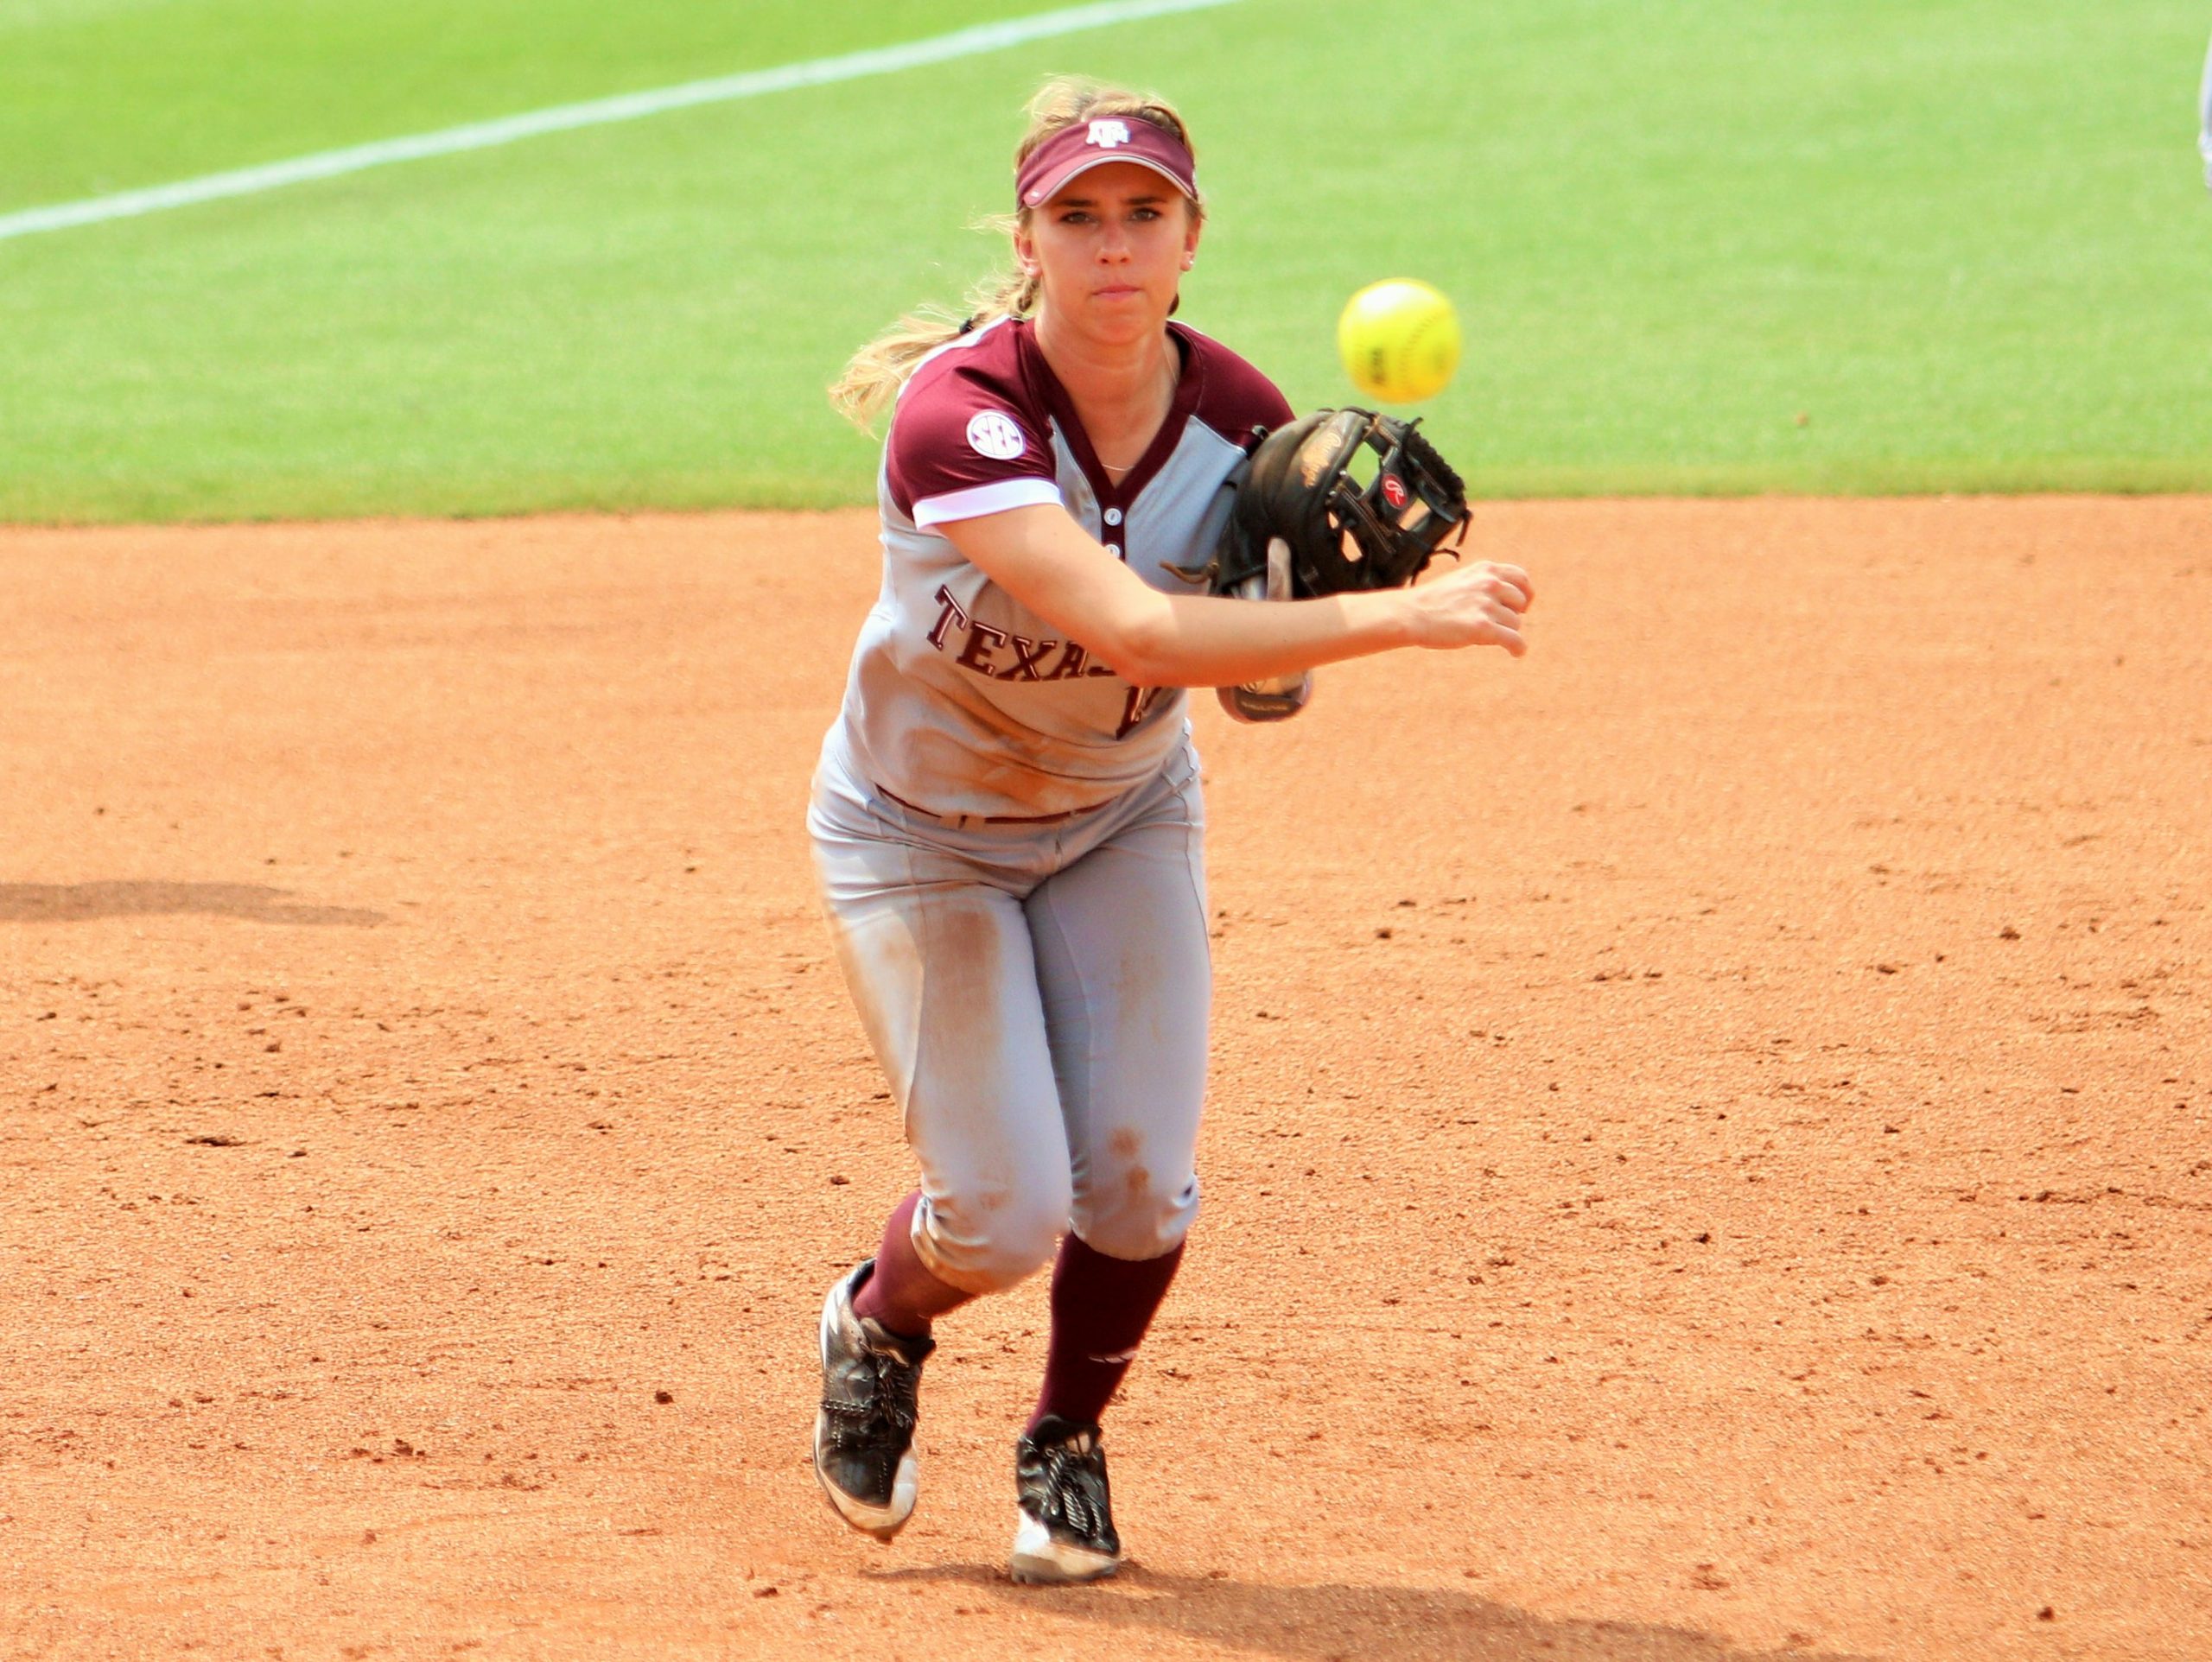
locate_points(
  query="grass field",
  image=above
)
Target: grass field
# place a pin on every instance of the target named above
(1882, 245)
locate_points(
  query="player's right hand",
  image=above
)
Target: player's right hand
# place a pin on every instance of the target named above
(1480, 605)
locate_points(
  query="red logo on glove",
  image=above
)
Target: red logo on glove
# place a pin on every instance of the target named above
(1394, 490)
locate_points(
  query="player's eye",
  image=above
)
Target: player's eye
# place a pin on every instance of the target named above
(1145, 215)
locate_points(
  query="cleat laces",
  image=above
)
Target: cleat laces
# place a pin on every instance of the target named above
(880, 1427)
(1074, 1494)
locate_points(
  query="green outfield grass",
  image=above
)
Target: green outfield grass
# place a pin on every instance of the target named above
(1851, 245)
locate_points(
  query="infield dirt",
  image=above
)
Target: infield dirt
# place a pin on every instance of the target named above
(1708, 1151)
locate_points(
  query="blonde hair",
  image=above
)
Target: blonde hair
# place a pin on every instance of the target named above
(871, 381)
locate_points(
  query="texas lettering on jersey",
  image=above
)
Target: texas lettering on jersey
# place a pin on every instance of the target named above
(979, 646)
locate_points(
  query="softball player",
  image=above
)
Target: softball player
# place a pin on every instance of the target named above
(1007, 819)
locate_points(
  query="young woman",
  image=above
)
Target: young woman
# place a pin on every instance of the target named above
(1006, 818)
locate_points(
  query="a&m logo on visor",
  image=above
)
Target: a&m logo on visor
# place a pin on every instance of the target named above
(994, 434)
(1107, 134)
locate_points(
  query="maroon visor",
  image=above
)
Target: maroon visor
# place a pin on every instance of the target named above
(1088, 144)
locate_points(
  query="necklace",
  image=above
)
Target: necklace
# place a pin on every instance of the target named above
(1174, 368)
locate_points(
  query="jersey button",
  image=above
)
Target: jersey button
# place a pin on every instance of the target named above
(1112, 516)
(1114, 548)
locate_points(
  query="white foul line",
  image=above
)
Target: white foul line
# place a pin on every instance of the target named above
(596, 112)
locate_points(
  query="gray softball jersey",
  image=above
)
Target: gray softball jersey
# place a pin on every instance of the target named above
(959, 700)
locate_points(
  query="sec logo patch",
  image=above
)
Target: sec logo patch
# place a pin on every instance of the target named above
(993, 434)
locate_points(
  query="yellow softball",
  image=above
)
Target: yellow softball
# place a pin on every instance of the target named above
(1400, 341)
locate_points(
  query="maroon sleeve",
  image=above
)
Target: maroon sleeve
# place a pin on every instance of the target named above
(966, 440)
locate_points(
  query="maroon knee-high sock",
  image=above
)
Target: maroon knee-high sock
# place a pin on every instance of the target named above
(901, 1293)
(1101, 1308)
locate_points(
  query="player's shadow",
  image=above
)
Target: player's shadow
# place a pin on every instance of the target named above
(1333, 1621)
(253, 903)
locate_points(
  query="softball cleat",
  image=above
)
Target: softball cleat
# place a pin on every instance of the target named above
(864, 1434)
(1065, 1532)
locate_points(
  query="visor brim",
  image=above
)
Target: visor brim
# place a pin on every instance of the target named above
(1041, 195)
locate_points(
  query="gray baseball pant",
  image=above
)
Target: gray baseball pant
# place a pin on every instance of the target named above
(1038, 996)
